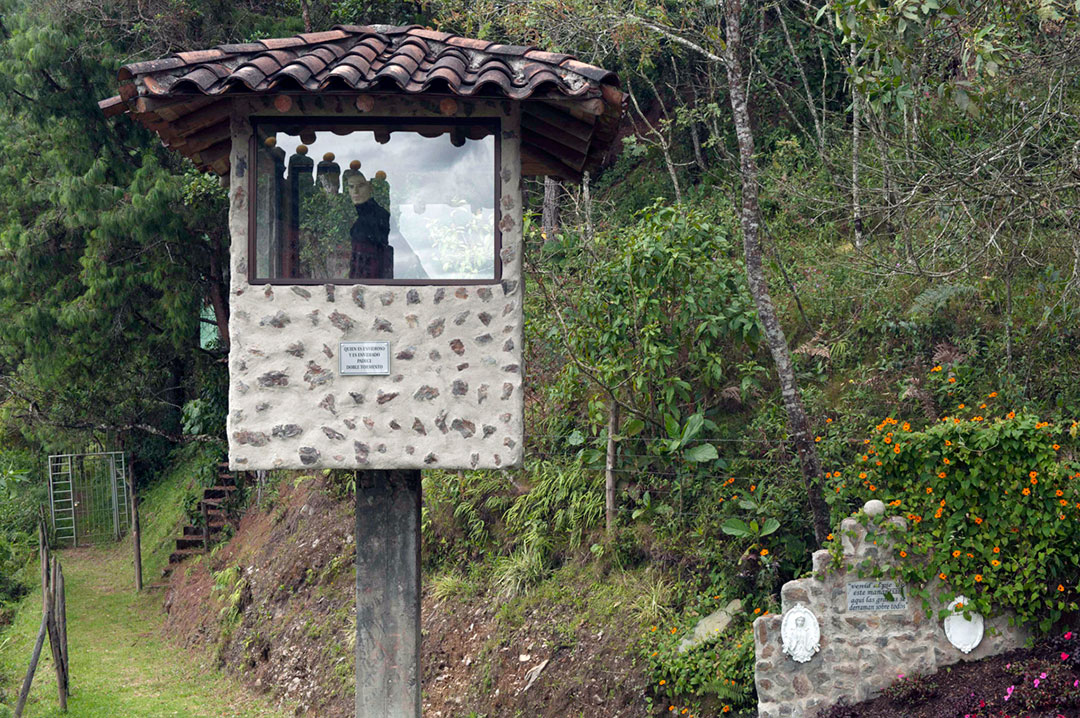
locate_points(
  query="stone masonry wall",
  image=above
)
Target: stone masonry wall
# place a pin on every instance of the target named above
(862, 652)
(453, 398)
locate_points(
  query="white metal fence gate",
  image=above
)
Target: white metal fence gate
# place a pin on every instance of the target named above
(88, 497)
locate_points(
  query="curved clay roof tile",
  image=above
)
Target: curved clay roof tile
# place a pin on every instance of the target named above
(360, 58)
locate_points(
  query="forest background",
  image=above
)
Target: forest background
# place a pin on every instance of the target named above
(905, 174)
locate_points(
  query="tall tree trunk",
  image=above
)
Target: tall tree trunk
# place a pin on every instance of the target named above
(609, 474)
(305, 12)
(218, 291)
(550, 219)
(798, 426)
(856, 122)
(586, 198)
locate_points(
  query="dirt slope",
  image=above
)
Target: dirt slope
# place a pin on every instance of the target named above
(282, 617)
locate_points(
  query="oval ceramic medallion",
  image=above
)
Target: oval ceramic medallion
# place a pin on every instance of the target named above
(800, 633)
(965, 635)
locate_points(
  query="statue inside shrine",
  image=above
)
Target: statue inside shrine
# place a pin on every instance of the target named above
(372, 255)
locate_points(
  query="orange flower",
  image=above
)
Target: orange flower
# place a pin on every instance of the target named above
(662, 682)
(993, 395)
(817, 438)
(862, 474)
(978, 521)
(961, 406)
(896, 449)
(929, 490)
(1063, 502)
(948, 443)
(828, 421)
(752, 487)
(757, 611)
(873, 488)
(1010, 415)
(878, 463)
(942, 576)
(995, 562)
(1026, 492)
(982, 406)
(1059, 492)
(764, 552)
(941, 475)
(1034, 482)
(1033, 474)
(829, 537)
(956, 554)
(888, 439)
(978, 578)
(997, 549)
(1061, 588)
(1056, 447)
(952, 379)
(971, 555)
(947, 462)
(903, 554)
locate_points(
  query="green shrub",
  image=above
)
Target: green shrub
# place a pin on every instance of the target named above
(717, 677)
(992, 509)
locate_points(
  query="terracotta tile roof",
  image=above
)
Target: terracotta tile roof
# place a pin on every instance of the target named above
(571, 110)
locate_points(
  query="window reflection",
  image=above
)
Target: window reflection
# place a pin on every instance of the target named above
(394, 202)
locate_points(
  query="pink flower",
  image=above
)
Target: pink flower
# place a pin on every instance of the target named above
(1068, 636)
(1064, 656)
(1036, 682)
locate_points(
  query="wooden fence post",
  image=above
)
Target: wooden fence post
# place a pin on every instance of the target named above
(61, 615)
(24, 693)
(54, 635)
(206, 526)
(136, 532)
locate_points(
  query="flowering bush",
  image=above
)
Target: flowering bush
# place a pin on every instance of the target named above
(713, 679)
(992, 510)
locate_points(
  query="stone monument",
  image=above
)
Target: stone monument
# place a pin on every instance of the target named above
(870, 633)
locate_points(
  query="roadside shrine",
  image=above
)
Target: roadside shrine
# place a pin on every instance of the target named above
(375, 188)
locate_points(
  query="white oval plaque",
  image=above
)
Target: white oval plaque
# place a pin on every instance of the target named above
(800, 633)
(965, 635)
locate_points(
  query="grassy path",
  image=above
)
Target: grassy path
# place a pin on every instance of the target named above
(121, 665)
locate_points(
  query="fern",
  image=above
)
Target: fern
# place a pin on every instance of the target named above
(936, 297)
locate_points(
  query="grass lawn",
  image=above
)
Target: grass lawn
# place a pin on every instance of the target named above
(121, 665)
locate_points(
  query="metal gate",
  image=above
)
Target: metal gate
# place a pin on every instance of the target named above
(88, 496)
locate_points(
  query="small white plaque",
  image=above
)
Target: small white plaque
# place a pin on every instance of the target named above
(364, 358)
(875, 596)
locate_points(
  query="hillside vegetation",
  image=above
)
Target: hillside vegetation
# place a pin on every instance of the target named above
(902, 179)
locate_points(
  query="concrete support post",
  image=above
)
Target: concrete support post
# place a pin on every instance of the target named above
(388, 594)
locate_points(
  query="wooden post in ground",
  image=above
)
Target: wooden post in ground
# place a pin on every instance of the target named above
(388, 594)
(205, 526)
(24, 693)
(55, 643)
(61, 618)
(43, 558)
(136, 532)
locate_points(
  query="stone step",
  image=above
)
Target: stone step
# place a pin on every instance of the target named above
(218, 492)
(215, 528)
(182, 554)
(190, 542)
